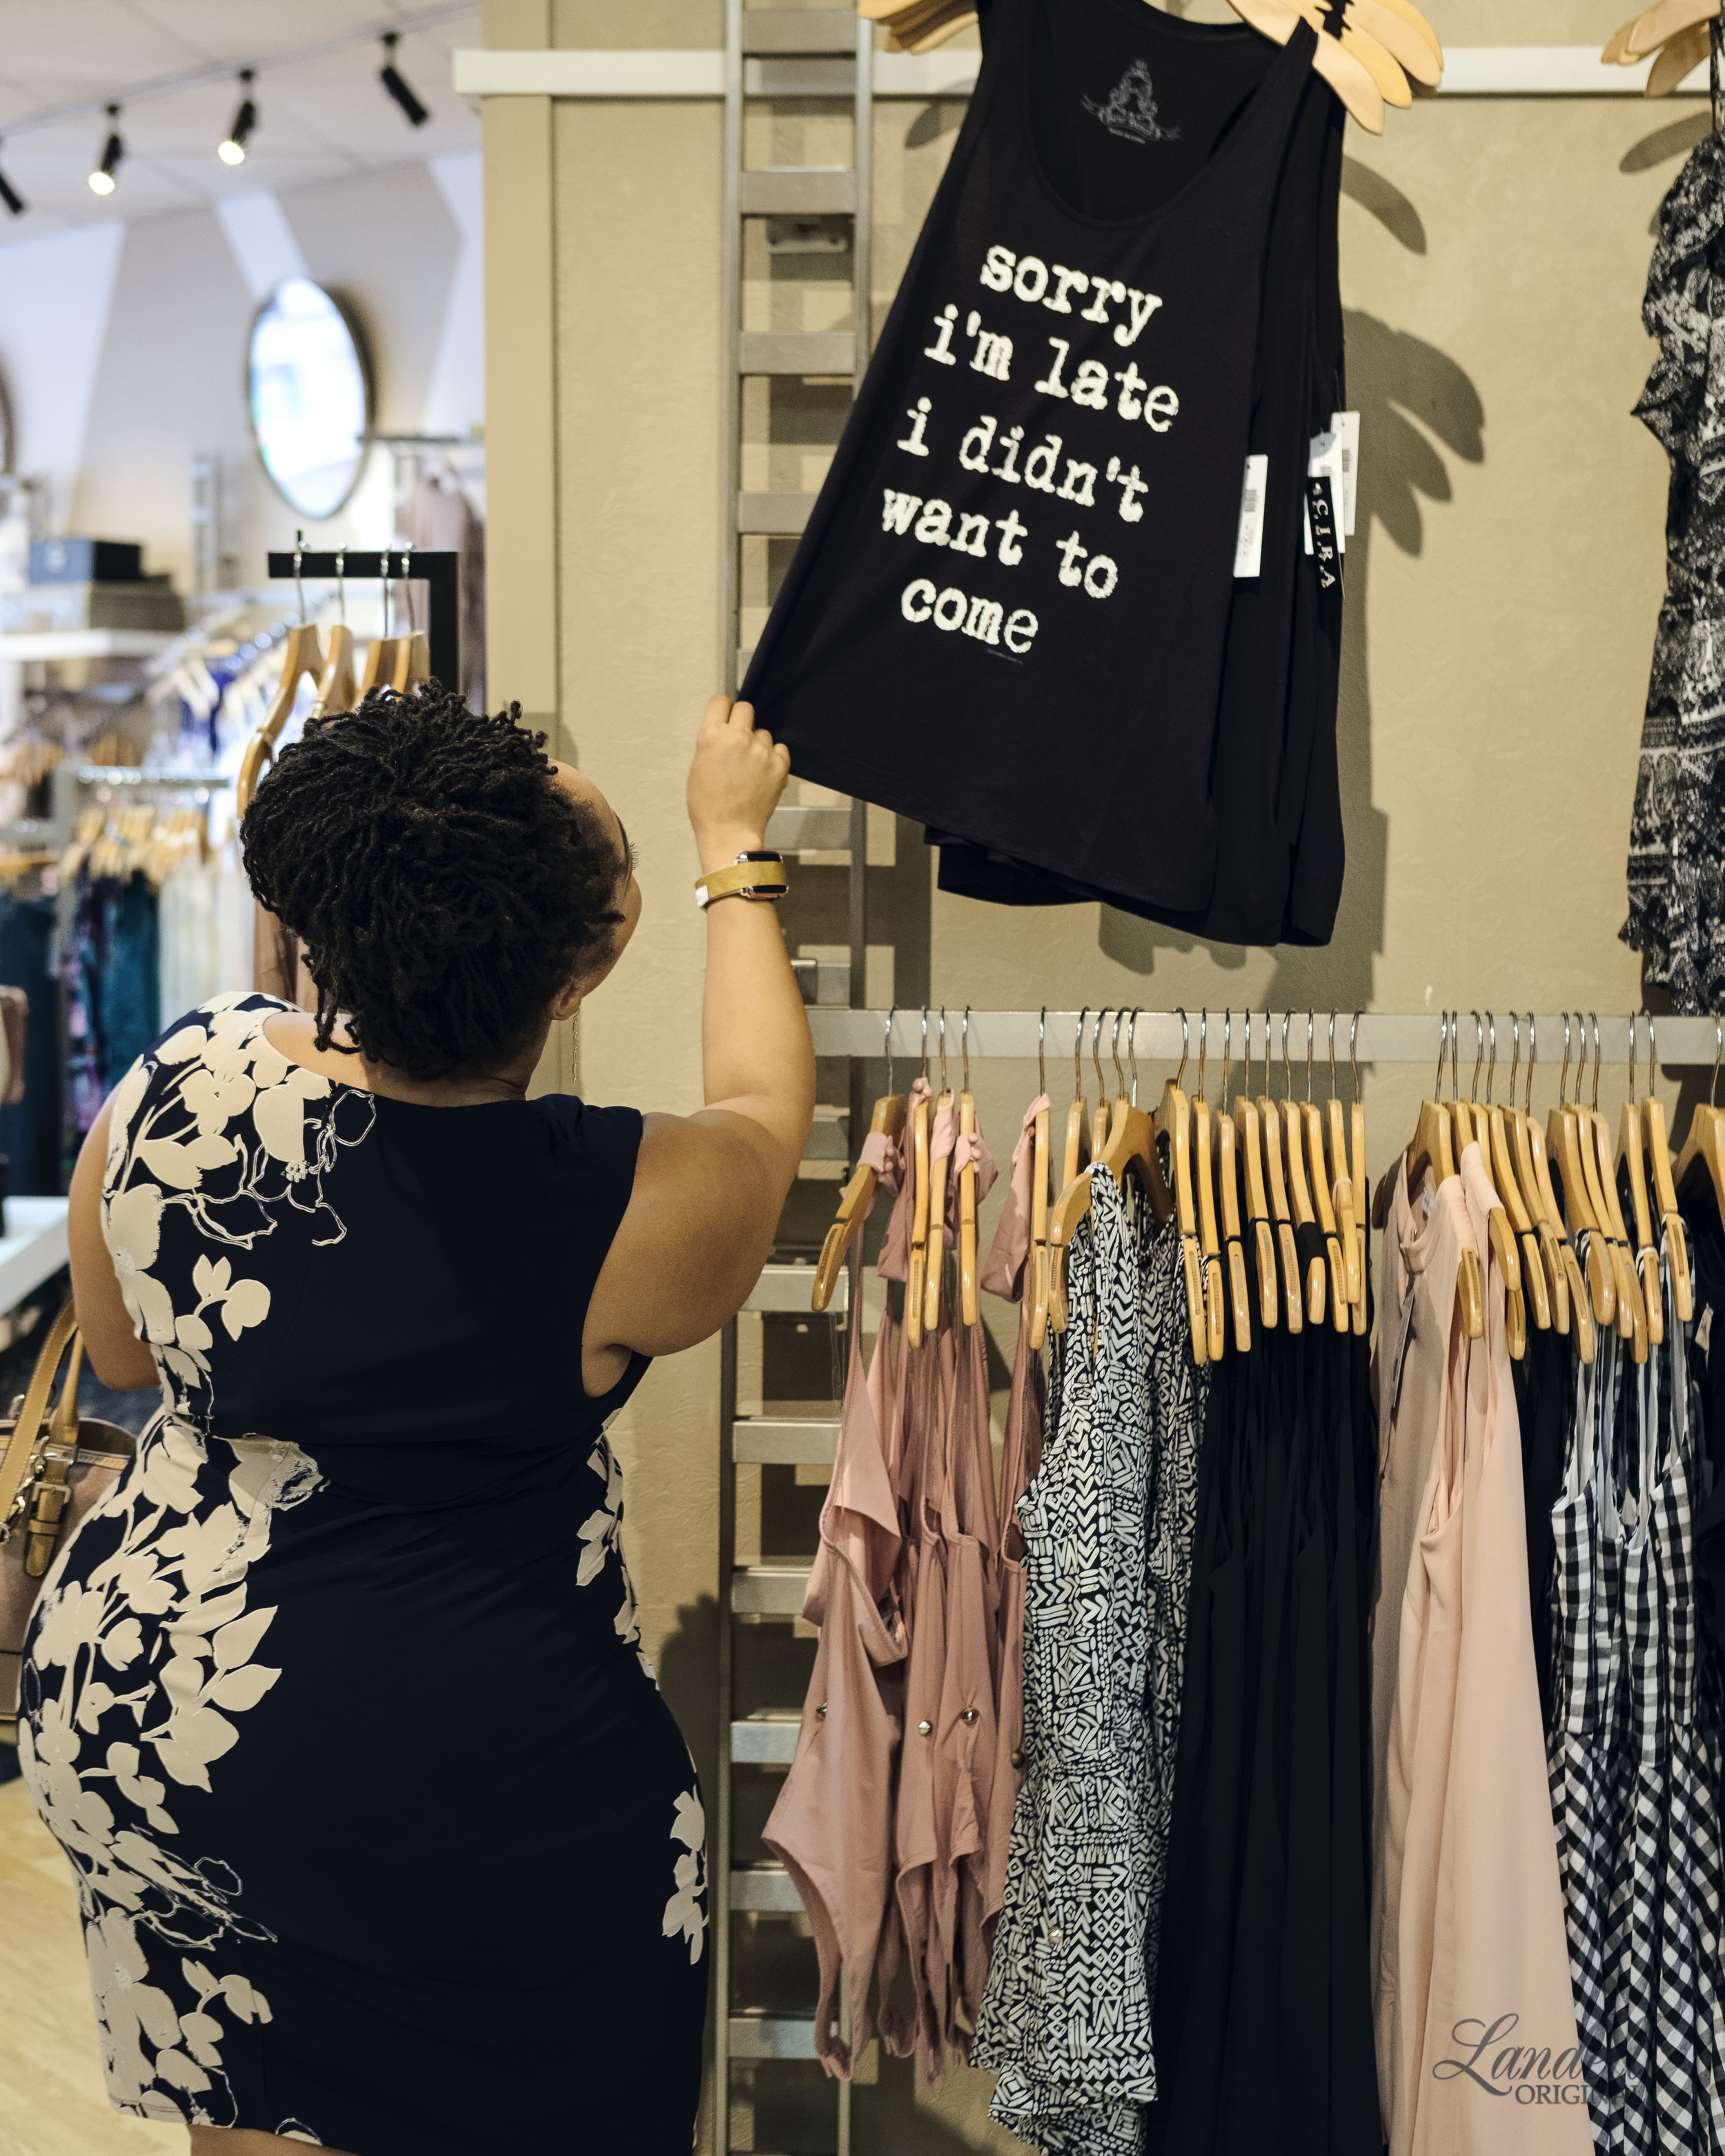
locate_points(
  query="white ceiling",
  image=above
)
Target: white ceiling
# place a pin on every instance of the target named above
(318, 118)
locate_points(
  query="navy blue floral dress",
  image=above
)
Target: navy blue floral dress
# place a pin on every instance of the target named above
(384, 1838)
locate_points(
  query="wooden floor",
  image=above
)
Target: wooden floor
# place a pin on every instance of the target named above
(51, 2099)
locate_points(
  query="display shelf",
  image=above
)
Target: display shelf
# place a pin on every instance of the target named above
(29, 646)
(1469, 71)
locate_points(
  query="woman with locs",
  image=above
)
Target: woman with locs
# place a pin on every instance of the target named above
(384, 1838)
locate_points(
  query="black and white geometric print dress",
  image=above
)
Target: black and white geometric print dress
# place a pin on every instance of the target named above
(384, 1838)
(1180, 1392)
(1676, 857)
(1066, 2017)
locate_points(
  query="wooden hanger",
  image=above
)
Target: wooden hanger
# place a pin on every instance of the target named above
(1432, 1148)
(1132, 1145)
(1602, 1190)
(916, 1270)
(968, 1307)
(1099, 1121)
(1287, 1254)
(1357, 1176)
(1527, 1148)
(1038, 1201)
(1075, 1155)
(936, 1242)
(1665, 1193)
(1632, 1167)
(302, 655)
(1228, 1187)
(1498, 1231)
(1203, 1172)
(1249, 1153)
(1173, 1123)
(1313, 1283)
(1342, 1184)
(858, 1195)
(1495, 1140)
(413, 662)
(1341, 63)
(1321, 1183)
(1655, 27)
(1562, 1139)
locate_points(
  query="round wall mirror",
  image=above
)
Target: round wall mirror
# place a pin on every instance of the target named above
(309, 392)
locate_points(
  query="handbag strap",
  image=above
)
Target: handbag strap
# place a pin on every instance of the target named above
(22, 1449)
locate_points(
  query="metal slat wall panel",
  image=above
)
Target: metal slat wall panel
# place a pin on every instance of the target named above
(797, 351)
(792, 830)
(784, 1290)
(769, 1590)
(798, 191)
(1384, 1036)
(765, 1740)
(772, 2036)
(782, 516)
(767, 1888)
(784, 1444)
(799, 30)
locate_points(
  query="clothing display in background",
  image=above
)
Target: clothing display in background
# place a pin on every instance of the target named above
(1676, 857)
(110, 979)
(1036, 508)
(32, 1133)
(439, 515)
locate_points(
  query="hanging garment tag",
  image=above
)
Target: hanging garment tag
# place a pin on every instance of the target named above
(1345, 426)
(1248, 546)
(1321, 522)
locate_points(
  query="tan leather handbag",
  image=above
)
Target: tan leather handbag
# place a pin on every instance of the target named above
(48, 1482)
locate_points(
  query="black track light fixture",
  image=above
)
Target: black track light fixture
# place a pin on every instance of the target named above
(390, 77)
(10, 195)
(101, 180)
(232, 151)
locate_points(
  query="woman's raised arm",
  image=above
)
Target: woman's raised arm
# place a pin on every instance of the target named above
(709, 1188)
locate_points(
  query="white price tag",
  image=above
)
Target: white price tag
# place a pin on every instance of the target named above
(1248, 546)
(1345, 425)
(1327, 463)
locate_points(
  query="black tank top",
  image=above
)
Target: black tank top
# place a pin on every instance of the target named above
(1008, 614)
(1274, 808)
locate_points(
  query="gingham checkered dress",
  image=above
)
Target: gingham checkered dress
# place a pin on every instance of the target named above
(1578, 1745)
(1635, 1753)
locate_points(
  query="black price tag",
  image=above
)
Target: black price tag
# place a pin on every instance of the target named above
(1325, 550)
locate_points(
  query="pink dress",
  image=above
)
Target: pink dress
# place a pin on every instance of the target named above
(832, 1825)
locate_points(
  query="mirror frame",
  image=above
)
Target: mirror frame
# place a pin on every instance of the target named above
(362, 352)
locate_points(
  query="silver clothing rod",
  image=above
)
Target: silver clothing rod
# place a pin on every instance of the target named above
(1382, 1037)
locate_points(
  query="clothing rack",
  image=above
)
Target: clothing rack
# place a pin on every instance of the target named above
(438, 568)
(1380, 1036)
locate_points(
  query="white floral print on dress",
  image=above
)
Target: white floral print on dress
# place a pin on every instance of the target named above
(685, 1912)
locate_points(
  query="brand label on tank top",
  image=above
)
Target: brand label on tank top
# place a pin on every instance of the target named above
(1129, 110)
(1321, 523)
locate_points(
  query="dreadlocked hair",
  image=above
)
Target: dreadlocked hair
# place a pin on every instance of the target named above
(444, 887)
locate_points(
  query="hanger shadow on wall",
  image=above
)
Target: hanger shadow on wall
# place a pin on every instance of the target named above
(1418, 409)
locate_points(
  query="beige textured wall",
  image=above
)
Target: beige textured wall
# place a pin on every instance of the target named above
(1502, 592)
